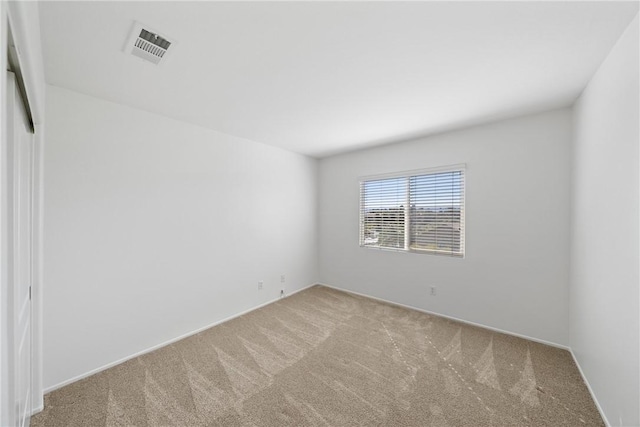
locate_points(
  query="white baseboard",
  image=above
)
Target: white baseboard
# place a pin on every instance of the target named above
(171, 341)
(37, 410)
(593, 396)
(468, 322)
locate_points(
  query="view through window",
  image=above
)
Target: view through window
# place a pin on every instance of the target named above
(421, 212)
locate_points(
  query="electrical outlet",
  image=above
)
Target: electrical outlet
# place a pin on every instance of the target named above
(260, 283)
(281, 293)
(433, 291)
(282, 278)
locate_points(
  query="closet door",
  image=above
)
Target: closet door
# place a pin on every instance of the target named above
(21, 148)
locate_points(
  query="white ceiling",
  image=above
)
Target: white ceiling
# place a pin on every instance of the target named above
(320, 78)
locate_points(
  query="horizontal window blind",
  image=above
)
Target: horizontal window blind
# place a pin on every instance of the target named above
(382, 213)
(422, 212)
(436, 216)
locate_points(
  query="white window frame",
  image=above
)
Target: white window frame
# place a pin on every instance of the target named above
(407, 220)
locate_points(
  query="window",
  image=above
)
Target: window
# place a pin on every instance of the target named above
(417, 212)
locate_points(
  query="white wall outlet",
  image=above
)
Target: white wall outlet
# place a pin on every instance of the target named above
(260, 283)
(281, 292)
(282, 278)
(433, 291)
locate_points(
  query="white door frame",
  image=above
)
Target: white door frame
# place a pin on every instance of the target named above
(20, 19)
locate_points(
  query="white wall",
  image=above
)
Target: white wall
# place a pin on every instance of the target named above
(155, 228)
(604, 275)
(515, 273)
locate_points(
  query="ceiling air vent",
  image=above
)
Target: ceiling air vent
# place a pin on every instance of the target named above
(147, 44)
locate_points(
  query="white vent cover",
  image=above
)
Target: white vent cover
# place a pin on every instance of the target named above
(147, 44)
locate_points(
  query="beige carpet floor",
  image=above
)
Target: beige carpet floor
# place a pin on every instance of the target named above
(327, 358)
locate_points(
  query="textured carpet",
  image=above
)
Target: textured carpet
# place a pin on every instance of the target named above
(328, 358)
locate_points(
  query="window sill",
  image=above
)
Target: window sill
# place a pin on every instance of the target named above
(415, 251)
